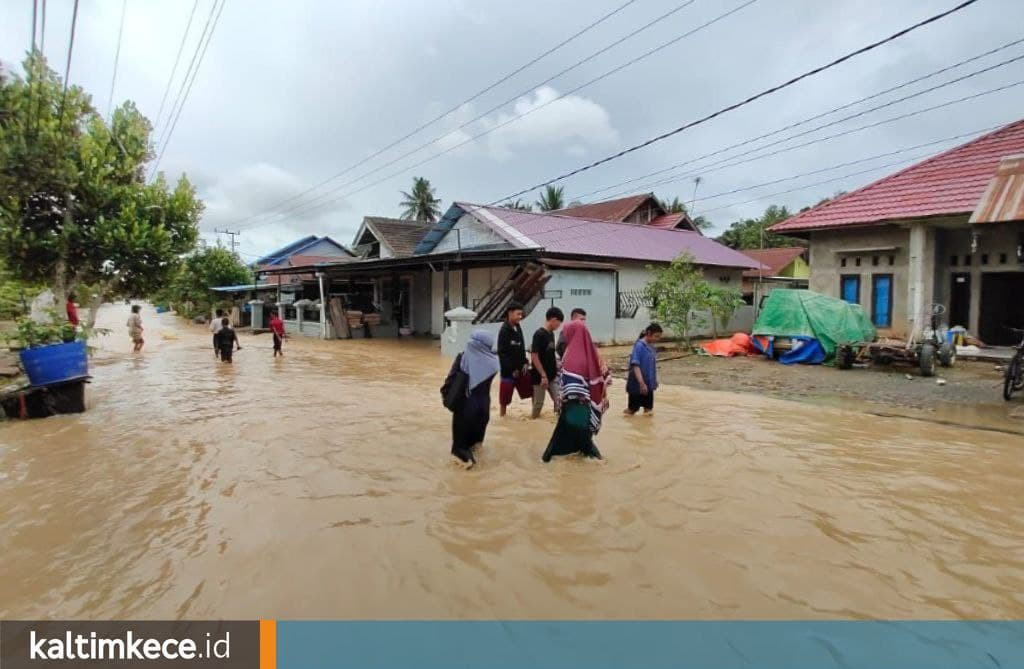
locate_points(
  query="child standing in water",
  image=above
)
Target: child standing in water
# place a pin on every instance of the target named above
(643, 372)
(135, 328)
(227, 338)
(277, 328)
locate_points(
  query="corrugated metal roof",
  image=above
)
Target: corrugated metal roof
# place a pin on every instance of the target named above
(1003, 200)
(400, 235)
(610, 210)
(949, 183)
(570, 235)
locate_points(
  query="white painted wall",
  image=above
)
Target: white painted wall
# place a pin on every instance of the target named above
(324, 248)
(471, 233)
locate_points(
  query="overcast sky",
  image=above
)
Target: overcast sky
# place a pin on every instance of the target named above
(290, 93)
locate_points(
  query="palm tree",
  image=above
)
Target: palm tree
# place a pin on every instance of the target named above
(420, 204)
(552, 199)
(676, 206)
(518, 205)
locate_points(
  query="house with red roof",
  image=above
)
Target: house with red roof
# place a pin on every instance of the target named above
(485, 257)
(642, 209)
(783, 267)
(948, 230)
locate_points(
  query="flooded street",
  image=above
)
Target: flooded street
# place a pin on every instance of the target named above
(320, 486)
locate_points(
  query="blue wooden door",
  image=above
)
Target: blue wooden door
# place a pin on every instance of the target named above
(850, 289)
(881, 301)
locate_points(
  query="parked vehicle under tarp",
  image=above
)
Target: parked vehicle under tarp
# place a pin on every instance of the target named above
(811, 324)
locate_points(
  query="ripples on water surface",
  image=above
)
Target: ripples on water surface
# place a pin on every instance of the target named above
(319, 486)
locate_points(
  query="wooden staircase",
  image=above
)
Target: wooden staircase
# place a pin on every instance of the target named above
(524, 284)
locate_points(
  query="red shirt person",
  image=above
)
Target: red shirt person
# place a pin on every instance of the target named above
(277, 327)
(72, 310)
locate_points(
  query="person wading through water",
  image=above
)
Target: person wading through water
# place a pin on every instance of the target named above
(135, 328)
(544, 362)
(277, 327)
(643, 372)
(584, 384)
(215, 325)
(512, 354)
(471, 413)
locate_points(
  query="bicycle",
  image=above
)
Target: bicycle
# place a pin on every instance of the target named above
(1013, 378)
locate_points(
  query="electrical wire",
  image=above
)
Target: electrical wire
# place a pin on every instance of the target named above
(748, 100)
(808, 119)
(455, 108)
(67, 69)
(174, 70)
(724, 163)
(117, 57)
(313, 204)
(195, 74)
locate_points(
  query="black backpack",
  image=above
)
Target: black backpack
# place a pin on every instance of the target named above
(454, 389)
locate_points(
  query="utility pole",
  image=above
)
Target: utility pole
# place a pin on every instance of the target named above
(232, 235)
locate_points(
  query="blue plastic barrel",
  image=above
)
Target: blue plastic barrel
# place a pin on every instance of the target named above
(47, 365)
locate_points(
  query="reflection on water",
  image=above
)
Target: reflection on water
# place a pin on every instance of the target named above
(319, 486)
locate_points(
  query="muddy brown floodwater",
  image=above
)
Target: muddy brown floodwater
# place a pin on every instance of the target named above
(319, 486)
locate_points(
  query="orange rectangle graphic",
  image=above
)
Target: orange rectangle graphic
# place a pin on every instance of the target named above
(268, 644)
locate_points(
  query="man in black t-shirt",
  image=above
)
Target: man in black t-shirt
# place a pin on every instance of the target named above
(545, 365)
(511, 354)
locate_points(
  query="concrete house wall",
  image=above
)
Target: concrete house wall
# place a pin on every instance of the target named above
(829, 248)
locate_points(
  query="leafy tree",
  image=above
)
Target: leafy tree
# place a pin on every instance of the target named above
(212, 266)
(838, 193)
(74, 205)
(518, 205)
(722, 302)
(552, 198)
(677, 206)
(677, 292)
(748, 233)
(15, 296)
(420, 204)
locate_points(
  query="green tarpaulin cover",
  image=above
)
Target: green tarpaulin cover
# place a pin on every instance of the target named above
(804, 313)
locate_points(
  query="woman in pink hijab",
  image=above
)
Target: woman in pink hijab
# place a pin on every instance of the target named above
(584, 385)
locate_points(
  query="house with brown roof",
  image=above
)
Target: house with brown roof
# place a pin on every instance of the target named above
(642, 209)
(948, 230)
(485, 257)
(783, 267)
(382, 237)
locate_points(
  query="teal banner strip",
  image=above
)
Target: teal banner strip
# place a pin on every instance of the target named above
(650, 645)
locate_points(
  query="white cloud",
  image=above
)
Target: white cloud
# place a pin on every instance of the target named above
(240, 201)
(573, 121)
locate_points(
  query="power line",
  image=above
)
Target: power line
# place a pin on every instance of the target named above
(978, 132)
(455, 108)
(752, 98)
(188, 90)
(174, 70)
(812, 118)
(117, 57)
(67, 68)
(42, 31)
(725, 163)
(313, 205)
(232, 235)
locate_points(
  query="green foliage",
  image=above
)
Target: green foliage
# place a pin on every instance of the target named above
(683, 299)
(518, 205)
(677, 206)
(722, 302)
(420, 204)
(189, 291)
(551, 199)
(15, 296)
(752, 233)
(838, 193)
(74, 205)
(30, 334)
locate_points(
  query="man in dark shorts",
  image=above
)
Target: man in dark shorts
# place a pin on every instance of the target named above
(511, 354)
(227, 339)
(545, 365)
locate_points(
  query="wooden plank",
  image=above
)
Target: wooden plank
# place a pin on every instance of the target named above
(338, 319)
